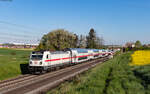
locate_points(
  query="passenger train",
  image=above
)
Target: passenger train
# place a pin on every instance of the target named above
(42, 61)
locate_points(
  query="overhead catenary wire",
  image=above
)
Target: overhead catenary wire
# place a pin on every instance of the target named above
(22, 26)
(29, 34)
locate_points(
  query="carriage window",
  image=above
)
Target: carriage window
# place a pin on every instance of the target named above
(81, 58)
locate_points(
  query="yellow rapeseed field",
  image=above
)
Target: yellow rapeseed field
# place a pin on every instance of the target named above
(140, 57)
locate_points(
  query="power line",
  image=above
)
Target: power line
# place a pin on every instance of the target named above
(26, 36)
(27, 28)
(18, 25)
(7, 36)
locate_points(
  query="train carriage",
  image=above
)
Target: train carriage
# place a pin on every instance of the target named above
(78, 55)
(96, 53)
(90, 53)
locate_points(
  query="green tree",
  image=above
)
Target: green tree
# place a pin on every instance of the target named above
(91, 39)
(94, 41)
(138, 44)
(58, 40)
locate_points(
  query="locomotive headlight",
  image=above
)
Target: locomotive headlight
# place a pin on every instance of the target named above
(30, 62)
(41, 63)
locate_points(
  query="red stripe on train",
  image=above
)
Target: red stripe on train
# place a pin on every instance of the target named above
(52, 60)
(68, 58)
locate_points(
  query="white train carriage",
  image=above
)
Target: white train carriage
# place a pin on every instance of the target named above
(110, 53)
(106, 52)
(96, 53)
(103, 51)
(91, 54)
(78, 55)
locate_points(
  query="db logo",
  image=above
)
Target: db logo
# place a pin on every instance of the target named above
(35, 62)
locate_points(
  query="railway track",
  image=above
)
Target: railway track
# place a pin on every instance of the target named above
(34, 84)
(11, 82)
(12, 79)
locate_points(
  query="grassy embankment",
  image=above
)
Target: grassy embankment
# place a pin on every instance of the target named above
(11, 61)
(115, 76)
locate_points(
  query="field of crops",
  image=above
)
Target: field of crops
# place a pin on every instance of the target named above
(141, 57)
(12, 61)
(115, 76)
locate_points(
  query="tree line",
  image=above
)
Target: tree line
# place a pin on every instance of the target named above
(133, 46)
(60, 39)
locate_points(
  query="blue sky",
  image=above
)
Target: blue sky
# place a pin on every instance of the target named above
(117, 21)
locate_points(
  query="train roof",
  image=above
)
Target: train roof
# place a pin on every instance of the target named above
(58, 52)
(79, 50)
(95, 50)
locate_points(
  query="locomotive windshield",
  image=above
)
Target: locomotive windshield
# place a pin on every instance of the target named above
(37, 57)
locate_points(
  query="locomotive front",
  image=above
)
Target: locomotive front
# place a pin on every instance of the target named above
(36, 62)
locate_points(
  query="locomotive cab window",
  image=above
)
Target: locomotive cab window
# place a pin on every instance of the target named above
(36, 57)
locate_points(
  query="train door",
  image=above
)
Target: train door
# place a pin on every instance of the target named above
(74, 58)
(71, 56)
(48, 58)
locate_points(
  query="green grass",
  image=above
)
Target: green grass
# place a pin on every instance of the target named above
(112, 77)
(10, 60)
(143, 73)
